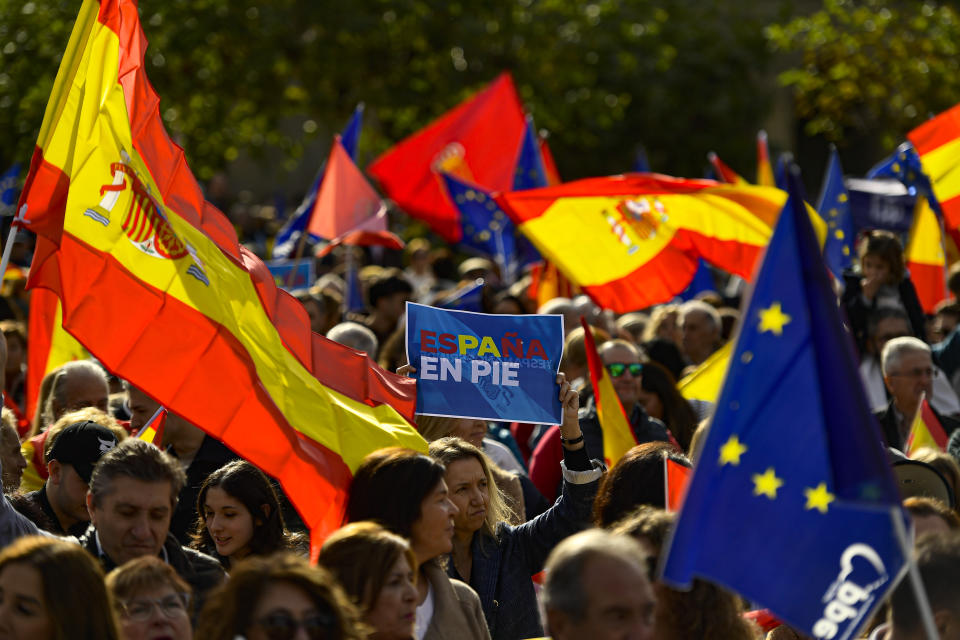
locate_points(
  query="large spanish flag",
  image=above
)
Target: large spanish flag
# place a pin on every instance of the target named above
(937, 142)
(925, 256)
(154, 283)
(632, 241)
(477, 141)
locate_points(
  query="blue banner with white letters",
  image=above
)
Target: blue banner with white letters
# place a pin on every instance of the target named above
(491, 367)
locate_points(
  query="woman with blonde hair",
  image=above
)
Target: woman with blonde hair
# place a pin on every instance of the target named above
(474, 431)
(378, 571)
(496, 558)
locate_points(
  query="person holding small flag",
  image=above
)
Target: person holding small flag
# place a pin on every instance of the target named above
(908, 372)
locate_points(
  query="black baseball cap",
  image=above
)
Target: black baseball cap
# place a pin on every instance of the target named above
(81, 444)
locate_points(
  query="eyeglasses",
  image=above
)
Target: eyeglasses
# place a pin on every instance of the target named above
(283, 626)
(172, 606)
(917, 372)
(617, 369)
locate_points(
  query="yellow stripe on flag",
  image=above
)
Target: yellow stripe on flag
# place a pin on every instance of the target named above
(705, 382)
(617, 434)
(943, 166)
(925, 244)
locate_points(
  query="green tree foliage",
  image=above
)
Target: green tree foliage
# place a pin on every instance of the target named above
(874, 68)
(680, 76)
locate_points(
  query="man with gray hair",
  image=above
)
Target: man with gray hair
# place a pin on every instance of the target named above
(908, 372)
(597, 587)
(700, 325)
(356, 336)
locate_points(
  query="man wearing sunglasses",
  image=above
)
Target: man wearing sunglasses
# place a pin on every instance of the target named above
(622, 361)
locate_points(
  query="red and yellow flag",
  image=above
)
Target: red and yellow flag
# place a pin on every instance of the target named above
(675, 479)
(618, 436)
(49, 346)
(925, 256)
(764, 168)
(724, 172)
(152, 432)
(937, 142)
(154, 283)
(925, 430)
(476, 141)
(633, 241)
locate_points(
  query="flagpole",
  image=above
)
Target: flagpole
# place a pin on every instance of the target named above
(144, 428)
(301, 243)
(8, 247)
(350, 265)
(923, 603)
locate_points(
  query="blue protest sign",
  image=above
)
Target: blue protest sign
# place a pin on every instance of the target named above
(491, 367)
(302, 277)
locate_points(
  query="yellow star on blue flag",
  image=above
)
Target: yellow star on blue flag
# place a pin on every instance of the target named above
(803, 487)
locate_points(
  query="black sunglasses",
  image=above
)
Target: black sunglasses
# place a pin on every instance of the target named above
(617, 369)
(283, 626)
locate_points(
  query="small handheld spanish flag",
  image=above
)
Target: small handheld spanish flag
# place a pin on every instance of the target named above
(926, 430)
(153, 431)
(618, 437)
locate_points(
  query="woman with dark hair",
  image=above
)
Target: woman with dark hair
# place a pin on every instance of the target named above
(704, 611)
(53, 590)
(151, 599)
(239, 515)
(496, 558)
(635, 480)
(275, 597)
(405, 492)
(660, 397)
(378, 571)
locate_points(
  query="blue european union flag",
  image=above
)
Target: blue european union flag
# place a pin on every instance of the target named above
(640, 163)
(8, 190)
(904, 165)
(792, 503)
(289, 235)
(486, 228)
(469, 297)
(529, 172)
(702, 281)
(834, 208)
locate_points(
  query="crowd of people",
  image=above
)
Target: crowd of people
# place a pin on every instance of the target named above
(503, 530)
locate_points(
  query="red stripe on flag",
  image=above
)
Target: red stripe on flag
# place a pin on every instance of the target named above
(930, 282)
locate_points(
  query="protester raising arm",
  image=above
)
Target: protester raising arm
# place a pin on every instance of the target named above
(498, 559)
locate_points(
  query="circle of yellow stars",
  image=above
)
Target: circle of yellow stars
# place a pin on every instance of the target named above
(768, 484)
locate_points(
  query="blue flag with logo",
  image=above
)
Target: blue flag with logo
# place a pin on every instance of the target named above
(491, 367)
(529, 172)
(289, 235)
(834, 208)
(792, 501)
(292, 274)
(8, 190)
